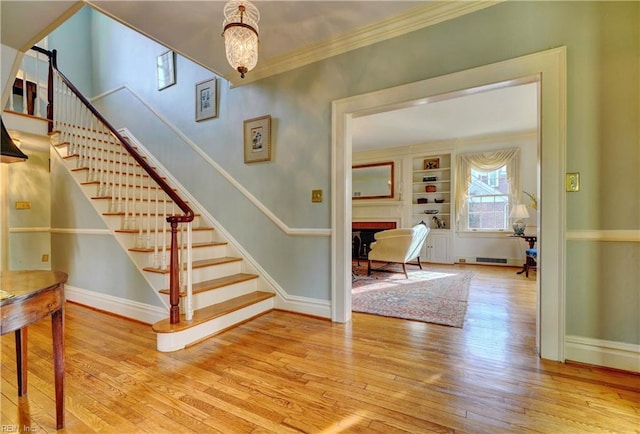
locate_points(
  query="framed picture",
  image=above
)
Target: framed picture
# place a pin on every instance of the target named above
(257, 139)
(206, 99)
(166, 70)
(431, 163)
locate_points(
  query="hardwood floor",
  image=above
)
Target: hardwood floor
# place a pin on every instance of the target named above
(285, 372)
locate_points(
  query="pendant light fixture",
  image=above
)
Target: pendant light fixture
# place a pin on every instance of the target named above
(241, 35)
(10, 152)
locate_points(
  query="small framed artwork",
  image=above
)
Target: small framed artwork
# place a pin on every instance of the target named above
(431, 163)
(257, 139)
(206, 99)
(166, 70)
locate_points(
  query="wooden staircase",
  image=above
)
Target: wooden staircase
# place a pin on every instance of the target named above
(225, 289)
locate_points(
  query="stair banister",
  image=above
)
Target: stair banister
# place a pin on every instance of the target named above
(173, 220)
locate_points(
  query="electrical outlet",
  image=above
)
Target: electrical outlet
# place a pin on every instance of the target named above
(462, 260)
(45, 258)
(316, 196)
(23, 205)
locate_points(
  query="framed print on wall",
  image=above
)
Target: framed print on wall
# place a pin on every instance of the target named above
(257, 139)
(165, 67)
(206, 99)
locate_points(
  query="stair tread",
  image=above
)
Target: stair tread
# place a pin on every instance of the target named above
(208, 313)
(193, 245)
(199, 264)
(220, 282)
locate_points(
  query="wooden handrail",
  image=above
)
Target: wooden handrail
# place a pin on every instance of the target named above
(173, 220)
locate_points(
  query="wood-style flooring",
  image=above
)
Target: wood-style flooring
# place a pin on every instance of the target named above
(284, 372)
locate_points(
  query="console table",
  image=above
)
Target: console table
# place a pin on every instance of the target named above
(33, 295)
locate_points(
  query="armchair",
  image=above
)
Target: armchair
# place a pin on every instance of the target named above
(398, 246)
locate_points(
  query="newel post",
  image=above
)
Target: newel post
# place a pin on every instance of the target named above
(174, 277)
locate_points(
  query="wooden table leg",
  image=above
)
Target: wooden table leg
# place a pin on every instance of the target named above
(57, 322)
(21, 360)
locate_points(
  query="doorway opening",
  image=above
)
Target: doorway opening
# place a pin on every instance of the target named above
(549, 64)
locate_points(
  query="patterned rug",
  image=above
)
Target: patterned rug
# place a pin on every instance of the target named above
(429, 295)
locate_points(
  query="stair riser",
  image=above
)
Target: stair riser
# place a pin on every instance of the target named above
(144, 259)
(106, 188)
(133, 240)
(199, 274)
(118, 222)
(176, 341)
(219, 295)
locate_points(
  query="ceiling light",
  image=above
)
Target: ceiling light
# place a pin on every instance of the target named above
(10, 152)
(241, 35)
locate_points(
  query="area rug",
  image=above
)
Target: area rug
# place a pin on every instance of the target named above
(429, 295)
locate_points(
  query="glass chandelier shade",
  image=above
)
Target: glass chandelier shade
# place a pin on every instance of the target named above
(241, 35)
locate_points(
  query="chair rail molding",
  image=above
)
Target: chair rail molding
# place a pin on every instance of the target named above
(614, 235)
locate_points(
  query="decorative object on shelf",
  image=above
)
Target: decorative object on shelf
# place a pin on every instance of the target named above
(241, 35)
(206, 100)
(431, 211)
(431, 163)
(519, 213)
(437, 222)
(438, 200)
(10, 151)
(429, 178)
(430, 188)
(257, 139)
(422, 200)
(534, 200)
(165, 66)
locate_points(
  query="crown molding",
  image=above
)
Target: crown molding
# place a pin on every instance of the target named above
(415, 19)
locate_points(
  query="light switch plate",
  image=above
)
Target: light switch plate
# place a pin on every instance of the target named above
(572, 182)
(316, 196)
(23, 205)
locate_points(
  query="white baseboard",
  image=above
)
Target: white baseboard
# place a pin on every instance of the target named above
(305, 306)
(598, 352)
(145, 313)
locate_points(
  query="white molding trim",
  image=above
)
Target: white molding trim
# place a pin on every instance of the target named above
(414, 19)
(142, 312)
(81, 231)
(311, 232)
(28, 230)
(624, 235)
(304, 305)
(617, 355)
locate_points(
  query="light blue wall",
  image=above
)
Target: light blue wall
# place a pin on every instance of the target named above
(73, 43)
(602, 43)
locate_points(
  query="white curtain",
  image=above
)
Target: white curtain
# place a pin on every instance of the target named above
(486, 162)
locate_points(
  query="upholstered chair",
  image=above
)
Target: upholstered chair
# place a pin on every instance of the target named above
(398, 246)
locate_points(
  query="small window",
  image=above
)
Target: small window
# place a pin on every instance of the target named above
(488, 200)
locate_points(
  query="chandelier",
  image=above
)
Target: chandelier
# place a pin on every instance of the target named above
(241, 35)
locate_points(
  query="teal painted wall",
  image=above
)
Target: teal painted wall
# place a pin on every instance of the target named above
(602, 40)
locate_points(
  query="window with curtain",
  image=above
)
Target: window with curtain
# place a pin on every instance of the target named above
(487, 186)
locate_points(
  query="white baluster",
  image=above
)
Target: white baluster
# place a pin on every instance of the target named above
(37, 111)
(189, 299)
(156, 261)
(164, 233)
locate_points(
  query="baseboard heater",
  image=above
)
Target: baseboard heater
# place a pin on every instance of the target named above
(492, 260)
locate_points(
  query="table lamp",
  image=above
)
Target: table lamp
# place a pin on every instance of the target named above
(519, 213)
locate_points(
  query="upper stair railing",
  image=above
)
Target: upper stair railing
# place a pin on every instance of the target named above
(120, 173)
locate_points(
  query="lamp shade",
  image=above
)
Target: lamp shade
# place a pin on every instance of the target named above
(519, 212)
(10, 152)
(241, 35)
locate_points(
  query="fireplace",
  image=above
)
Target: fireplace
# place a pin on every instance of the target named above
(362, 235)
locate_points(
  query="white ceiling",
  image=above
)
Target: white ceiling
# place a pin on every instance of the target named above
(293, 33)
(505, 110)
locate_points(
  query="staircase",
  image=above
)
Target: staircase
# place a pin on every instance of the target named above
(217, 287)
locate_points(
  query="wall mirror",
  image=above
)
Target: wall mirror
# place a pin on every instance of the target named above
(372, 181)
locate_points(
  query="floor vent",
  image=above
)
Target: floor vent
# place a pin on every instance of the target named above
(492, 260)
